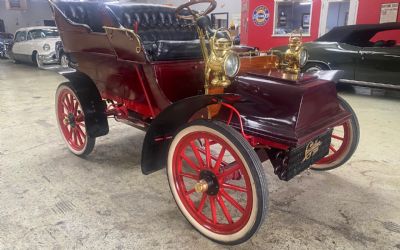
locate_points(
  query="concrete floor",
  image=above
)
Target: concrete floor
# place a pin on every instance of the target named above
(53, 200)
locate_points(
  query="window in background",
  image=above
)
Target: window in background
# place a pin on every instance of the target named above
(220, 20)
(42, 33)
(338, 14)
(20, 36)
(292, 16)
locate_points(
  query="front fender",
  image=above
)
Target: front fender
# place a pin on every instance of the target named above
(162, 129)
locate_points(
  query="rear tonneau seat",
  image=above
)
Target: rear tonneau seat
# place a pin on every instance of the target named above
(164, 36)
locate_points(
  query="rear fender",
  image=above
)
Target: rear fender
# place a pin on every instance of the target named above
(92, 104)
(162, 129)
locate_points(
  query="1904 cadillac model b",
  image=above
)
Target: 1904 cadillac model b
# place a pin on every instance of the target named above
(211, 114)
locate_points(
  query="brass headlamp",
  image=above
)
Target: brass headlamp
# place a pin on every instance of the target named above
(295, 56)
(222, 63)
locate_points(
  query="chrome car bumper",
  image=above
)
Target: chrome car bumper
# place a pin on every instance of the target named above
(48, 58)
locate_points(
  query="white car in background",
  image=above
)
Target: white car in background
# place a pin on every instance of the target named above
(36, 45)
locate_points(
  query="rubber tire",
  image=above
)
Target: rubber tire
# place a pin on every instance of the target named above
(252, 160)
(35, 60)
(90, 140)
(355, 134)
(316, 65)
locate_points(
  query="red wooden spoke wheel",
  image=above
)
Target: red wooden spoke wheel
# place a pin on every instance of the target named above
(71, 121)
(344, 142)
(217, 181)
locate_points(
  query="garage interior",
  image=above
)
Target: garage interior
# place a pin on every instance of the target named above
(51, 199)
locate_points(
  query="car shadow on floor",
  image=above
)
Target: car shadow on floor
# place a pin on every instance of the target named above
(118, 151)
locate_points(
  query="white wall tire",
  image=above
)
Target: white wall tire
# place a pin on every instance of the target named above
(74, 131)
(221, 226)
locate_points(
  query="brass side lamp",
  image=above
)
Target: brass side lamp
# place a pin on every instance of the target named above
(295, 56)
(222, 63)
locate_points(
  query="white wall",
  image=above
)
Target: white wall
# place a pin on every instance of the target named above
(38, 10)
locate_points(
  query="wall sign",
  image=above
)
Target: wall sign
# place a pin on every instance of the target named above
(389, 12)
(261, 15)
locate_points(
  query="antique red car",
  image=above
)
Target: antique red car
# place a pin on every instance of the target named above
(212, 112)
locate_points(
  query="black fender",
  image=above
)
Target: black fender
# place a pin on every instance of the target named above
(92, 104)
(162, 129)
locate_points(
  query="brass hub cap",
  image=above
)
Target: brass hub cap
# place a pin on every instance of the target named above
(69, 120)
(201, 186)
(208, 183)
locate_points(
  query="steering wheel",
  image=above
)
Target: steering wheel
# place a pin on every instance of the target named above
(191, 14)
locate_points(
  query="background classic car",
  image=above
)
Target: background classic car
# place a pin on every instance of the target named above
(358, 50)
(35, 45)
(5, 40)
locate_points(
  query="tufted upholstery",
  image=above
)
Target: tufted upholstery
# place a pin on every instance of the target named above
(164, 36)
(88, 13)
(154, 22)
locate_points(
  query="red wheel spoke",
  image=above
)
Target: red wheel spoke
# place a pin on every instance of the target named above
(213, 209)
(83, 134)
(197, 154)
(69, 104)
(69, 134)
(65, 105)
(79, 136)
(71, 101)
(229, 171)
(224, 209)
(191, 164)
(217, 165)
(208, 153)
(337, 137)
(80, 124)
(234, 187)
(190, 176)
(332, 148)
(232, 201)
(190, 191)
(76, 108)
(202, 202)
(75, 136)
(213, 157)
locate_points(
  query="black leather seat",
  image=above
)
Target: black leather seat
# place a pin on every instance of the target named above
(87, 13)
(164, 36)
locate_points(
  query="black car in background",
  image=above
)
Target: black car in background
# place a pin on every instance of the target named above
(358, 50)
(6, 40)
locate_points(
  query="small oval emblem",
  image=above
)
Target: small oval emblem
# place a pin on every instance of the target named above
(260, 15)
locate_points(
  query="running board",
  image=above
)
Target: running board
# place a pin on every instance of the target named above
(371, 84)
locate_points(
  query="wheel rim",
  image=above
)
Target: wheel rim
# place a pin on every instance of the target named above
(71, 120)
(203, 159)
(340, 144)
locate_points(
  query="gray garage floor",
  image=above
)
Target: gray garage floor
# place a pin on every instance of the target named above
(51, 199)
